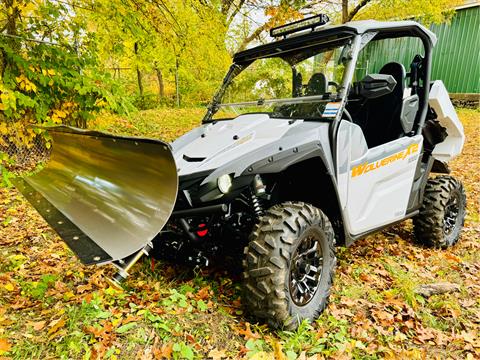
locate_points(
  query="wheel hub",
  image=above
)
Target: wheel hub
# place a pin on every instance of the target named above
(306, 269)
(451, 214)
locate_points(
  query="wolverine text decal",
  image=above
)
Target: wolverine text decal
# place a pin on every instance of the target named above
(366, 167)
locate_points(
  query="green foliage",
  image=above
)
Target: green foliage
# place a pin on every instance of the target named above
(16, 261)
(428, 12)
(127, 327)
(57, 60)
(255, 346)
(48, 70)
(147, 38)
(37, 289)
(5, 175)
(182, 351)
(264, 79)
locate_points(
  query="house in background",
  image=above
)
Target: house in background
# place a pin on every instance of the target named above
(456, 56)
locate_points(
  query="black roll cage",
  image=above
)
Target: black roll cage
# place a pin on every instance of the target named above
(334, 35)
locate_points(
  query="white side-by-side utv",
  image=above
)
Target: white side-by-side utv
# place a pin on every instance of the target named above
(333, 151)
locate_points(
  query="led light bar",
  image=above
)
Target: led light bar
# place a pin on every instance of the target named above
(308, 23)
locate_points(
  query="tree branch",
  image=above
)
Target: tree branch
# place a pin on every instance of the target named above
(357, 8)
(253, 36)
(226, 5)
(235, 11)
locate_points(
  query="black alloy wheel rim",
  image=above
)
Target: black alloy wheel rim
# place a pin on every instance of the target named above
(306, 269)
(451, 214)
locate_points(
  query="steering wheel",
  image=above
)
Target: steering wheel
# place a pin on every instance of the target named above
(333, 83)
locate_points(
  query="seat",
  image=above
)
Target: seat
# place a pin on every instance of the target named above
(383, 114)
(317, 85)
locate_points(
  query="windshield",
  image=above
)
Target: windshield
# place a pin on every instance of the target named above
(304, 84)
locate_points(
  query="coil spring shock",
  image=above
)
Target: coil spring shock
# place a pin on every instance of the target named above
(257, 205)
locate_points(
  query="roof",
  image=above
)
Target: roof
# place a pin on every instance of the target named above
(415, 28)
(468, 4)
(336, 34)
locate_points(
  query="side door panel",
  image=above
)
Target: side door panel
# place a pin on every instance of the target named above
(374, 184)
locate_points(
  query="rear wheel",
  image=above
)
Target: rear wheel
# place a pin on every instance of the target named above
(442, 214)
(289, 265)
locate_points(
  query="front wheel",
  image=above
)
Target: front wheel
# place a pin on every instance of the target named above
(289, 265)
(442, 214)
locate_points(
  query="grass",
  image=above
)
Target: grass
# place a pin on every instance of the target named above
(51, 306)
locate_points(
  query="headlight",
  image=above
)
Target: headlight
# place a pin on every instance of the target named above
(224, 183)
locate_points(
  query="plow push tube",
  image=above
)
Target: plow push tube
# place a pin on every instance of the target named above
(106, 196)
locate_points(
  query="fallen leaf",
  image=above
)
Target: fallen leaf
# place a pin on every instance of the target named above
(5, 346)
(469, 337)
(55, 325)
(262, 355)
(9, 287)
(39, 325)
(277, 350)
(82, 288)
(190, 338)
(382, 317)
(164, 352)
(453, 257)
(203, 293)
(216, 354)
(247, 333)
(365, 278)
(424, 335)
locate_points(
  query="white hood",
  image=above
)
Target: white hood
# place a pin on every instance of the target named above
(213, 145)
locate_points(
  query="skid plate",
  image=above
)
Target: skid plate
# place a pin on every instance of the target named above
(106, 196)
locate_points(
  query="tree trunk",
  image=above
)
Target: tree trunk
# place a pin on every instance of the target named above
(139, 73)
(140, 83)
(11, 29)
(177, 91)
(344, 11)
(161, 86)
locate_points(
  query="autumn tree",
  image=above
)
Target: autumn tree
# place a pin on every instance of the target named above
(278, 12)
(46, 62)
(180, 40)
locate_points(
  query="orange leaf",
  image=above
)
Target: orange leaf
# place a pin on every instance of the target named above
(277, 350)
(203, 293)
(247, 333)
(130, 318)
(190, 338)
(164, 352)
(382, 317)
(4, 345)
(453, 258)
(95, 331)
(366, 278)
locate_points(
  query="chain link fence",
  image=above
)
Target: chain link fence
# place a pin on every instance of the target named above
(21, 157)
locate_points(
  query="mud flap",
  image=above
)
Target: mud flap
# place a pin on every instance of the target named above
(106, 196)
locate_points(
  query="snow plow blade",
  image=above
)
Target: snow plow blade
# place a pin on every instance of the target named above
(106, 196)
